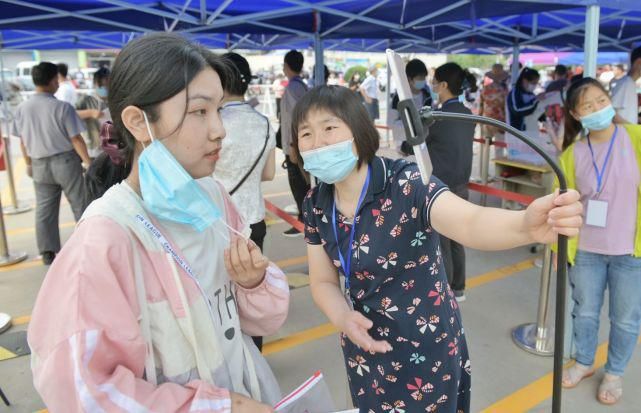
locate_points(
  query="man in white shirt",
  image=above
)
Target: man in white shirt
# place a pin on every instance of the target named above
(369, 90)
(624, 92)
(66, 91)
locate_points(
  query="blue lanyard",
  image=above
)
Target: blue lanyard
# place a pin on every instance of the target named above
(600, 174)
(347, 265)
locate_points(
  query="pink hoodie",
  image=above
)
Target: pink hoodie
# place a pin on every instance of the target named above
(88, 349)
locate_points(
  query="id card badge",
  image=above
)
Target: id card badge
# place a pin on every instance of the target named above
(348, 298)
(597, 214)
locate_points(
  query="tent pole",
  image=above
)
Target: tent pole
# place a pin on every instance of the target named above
(319, 68)
(591, 44)
(515, 63)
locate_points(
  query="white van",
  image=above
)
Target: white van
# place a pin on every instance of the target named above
(23, 74)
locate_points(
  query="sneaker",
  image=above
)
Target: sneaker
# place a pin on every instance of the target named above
(292, 233)
(459, 295)
(48, 257)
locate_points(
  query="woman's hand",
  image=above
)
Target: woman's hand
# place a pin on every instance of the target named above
(554, 214)
(245, 263)
(242, 404)
(355, 325)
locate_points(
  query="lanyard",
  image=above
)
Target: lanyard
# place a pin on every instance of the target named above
(600, 174)
(347, 265)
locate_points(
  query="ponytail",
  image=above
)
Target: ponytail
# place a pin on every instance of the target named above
(459, 81)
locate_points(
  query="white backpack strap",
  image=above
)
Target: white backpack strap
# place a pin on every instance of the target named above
(150, 360)
(201, 364)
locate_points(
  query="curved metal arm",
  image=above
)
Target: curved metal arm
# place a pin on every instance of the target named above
(430, 117)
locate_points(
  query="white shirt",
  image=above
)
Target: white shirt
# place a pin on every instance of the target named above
(370, 86)
(67, 93)
(246, 133)
(213, 277)
(624, 99)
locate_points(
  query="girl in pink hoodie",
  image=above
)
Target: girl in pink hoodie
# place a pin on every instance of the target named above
(151, 303)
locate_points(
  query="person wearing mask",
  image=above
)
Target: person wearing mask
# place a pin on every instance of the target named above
(522, 103)
(619, 72)
(92, 104)
(158, 289)
(559, 79)
(492, 104)
(66, 90)
(624, 93)
(375, 221)
(416, 72)
(604, 166)
(450, 144)
(55, 152)
(355, 83)
(248, 154)
(296, 88)
(369, 90)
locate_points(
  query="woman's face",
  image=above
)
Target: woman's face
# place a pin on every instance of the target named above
(591, 100)
(322, 128)
(196, 144)
(530, 85)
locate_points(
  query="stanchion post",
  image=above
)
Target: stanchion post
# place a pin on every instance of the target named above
(5, 257)
(14, 208)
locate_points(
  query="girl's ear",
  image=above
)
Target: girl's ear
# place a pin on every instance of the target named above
(134, 121)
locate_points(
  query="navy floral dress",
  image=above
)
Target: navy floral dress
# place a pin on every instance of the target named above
(398, 281)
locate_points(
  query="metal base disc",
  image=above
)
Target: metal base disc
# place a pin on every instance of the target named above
(13, 259)
(524, 336)
(11, 210)
(5, 322)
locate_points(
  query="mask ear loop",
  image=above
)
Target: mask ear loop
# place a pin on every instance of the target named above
(151, 135)
(234, 230)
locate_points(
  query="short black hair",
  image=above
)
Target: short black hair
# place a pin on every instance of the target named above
(294, 59)
(345, 105)
(414, 68)
(239, 83)
(636, 54)
(100, 75)
(63, 69)
(561, 70)
(43, 73)
(458, 80)
(325, 74)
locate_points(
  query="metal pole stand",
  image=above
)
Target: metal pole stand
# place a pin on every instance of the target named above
(15, 207)
(485, 165)
(537, 338)
(5, 257)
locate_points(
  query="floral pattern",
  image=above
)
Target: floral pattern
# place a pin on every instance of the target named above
(398, 281)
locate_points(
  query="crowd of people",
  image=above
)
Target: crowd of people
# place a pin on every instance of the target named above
(162, 294)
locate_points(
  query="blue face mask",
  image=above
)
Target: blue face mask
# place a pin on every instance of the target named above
(169, 192)
(101, 91)
(599, 120)
(434, 97)
(332, 163)
(420, 84)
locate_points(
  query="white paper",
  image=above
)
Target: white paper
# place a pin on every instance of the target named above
(551, 98)
(597, 214)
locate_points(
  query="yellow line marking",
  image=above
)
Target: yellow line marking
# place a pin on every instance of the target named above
(327, 329)
(538, 391)
(499, 273)
(290, 262)
(22, 266)
(6, 354)
(273, 221)
(19, 231)
(18, 321)
(277, 194)
(297, 339)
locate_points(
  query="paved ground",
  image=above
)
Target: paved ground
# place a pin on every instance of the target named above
(503, 293)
